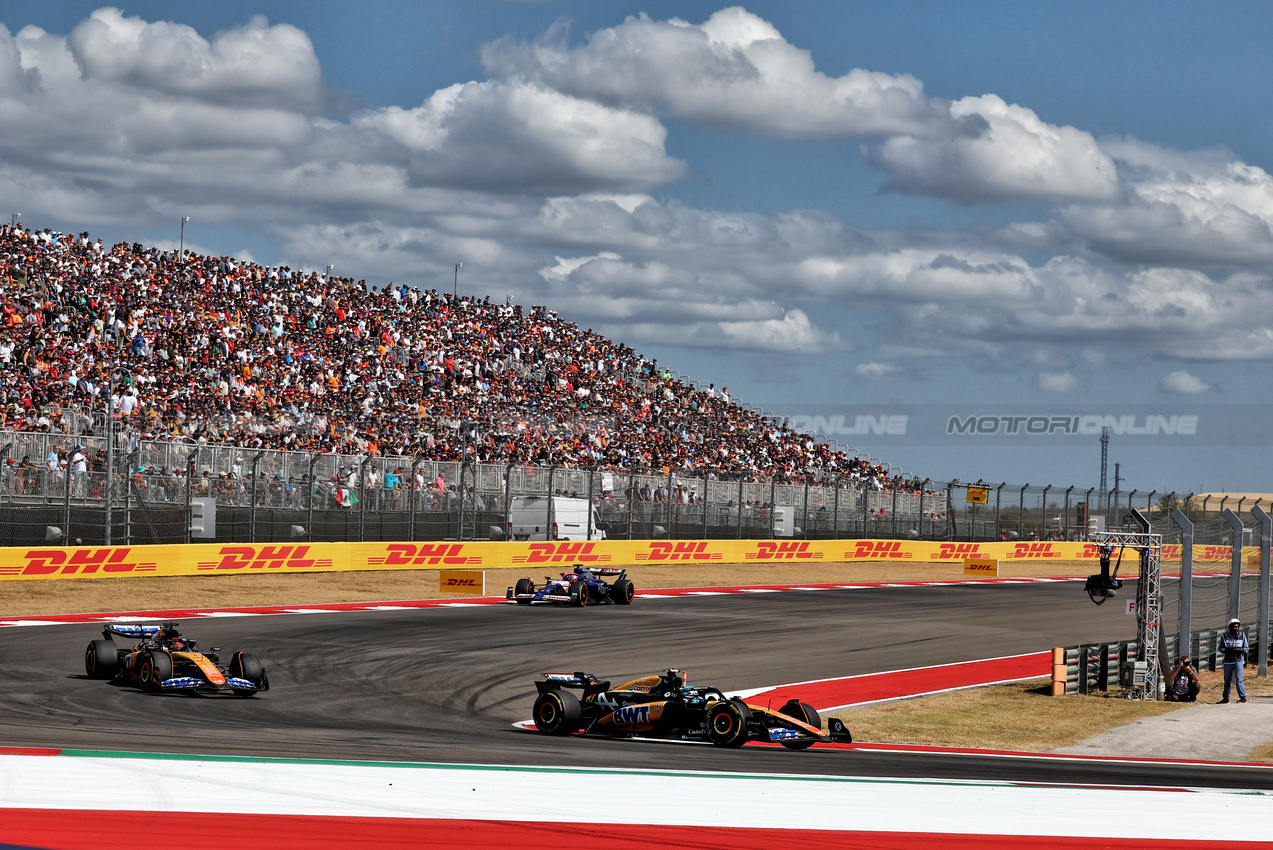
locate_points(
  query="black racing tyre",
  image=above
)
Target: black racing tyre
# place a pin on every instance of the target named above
(622, 592)
(101, 659)
(524, 585)
(558, 713)
(154, 669)
(727, 723)
(244, 665)
(578, 594)
(804, 712)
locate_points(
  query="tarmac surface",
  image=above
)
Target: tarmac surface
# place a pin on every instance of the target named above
(447, 685)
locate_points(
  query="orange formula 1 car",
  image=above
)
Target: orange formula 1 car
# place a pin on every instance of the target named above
(163, 660)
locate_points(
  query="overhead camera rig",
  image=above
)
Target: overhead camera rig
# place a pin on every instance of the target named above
(1105, 584)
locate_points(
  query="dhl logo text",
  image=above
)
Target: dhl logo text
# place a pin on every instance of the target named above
(666, 550)
(870, 549)
(43, 562)
(425, 554)
(264, 558)
(958, 551)
(1033, 550)
(460, 582)
(556, 553)
(774, 551)
(979, 567)
(1215, 553)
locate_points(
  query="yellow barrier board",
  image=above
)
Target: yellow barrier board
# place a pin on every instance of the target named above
(228, 559)
(981, 566)
(464, 582)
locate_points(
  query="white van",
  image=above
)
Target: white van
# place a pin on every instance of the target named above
(532, 518)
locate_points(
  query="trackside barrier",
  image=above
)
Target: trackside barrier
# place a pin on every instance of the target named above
(214, 558)
(1093, 667)
(201, 559)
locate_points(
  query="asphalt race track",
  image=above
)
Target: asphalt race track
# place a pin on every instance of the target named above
(446, 685)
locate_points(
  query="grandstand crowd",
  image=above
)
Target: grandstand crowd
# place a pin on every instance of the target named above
(212, 350)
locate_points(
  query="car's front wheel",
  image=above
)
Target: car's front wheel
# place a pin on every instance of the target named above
(155, 669)
(244, 665)
(727, 723)
(578, 594)
(805, 713)
(524, 587)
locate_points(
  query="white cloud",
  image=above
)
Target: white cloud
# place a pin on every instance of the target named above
(1056, 382)
(1184, 383)
(254, 64)
(873, 370)
(1181, 207)
(1014, 157)
(735, 70)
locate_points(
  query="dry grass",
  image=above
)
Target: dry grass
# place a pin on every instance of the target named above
(1262, 754)
(1022, 717)
(19, 598)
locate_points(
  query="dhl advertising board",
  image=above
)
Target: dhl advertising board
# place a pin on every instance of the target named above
(231, 559)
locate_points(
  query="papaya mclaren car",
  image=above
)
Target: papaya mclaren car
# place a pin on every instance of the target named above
(582, 586)
(163, 660)
(664, 706)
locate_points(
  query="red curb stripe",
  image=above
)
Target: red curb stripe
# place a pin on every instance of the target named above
(29, 751)
(90, 830)
(876, 687)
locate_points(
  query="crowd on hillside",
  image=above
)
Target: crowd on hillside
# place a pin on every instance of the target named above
(213, 350)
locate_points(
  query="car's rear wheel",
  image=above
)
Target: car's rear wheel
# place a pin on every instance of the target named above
(558, 713)
(244, 665)
(622, 592)
(524, 586)
(805, 713)
(156, 667)
(727, 723)
(101, 659)
(578, 594)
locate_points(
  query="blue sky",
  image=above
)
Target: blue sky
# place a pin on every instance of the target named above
(832, 208)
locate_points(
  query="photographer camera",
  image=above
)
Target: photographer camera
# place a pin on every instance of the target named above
(1185, 684)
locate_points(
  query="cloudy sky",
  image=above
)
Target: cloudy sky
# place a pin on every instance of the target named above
(832, 208)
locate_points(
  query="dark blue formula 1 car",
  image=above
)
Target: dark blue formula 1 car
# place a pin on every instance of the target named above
(580, 587)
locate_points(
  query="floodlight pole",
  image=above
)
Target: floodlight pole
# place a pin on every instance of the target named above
(181, 250)
(455, 286)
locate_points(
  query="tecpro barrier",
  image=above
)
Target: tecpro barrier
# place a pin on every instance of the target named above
(217, 559)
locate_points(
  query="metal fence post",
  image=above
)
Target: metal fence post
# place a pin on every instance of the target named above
(313, 497)
(773, 509)
(1266, 542)
(741, 478)
(1043, 514)
(362, 500)
(191, 462)
(66, 508)
(591, 471)
(1021, 514)
(1235, 567)
(1186, 572)
(256, 476)
(998, 504)
(1066, 515)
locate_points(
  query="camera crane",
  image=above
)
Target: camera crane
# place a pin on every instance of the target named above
(1148, 593)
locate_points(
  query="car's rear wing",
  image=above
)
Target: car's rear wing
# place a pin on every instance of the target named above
(586, 682)
(131, 630)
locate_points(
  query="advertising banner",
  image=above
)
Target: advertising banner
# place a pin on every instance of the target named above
(464, 582)
(25, 563)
